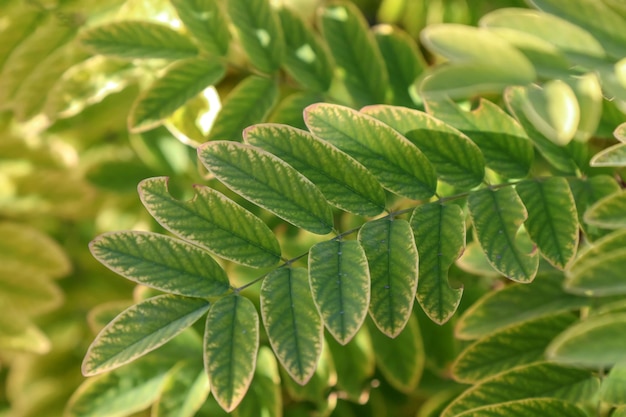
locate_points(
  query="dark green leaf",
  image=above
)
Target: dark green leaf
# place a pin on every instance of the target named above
(527, 408)
(586, 192)
(609, 212)
(206, 22)
(269, 182)
(340, 283)
(161, 262)
(343, 181)
(138, 39)
(398, 164)
(231, 343)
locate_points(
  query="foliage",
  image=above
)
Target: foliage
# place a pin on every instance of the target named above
(347, 179)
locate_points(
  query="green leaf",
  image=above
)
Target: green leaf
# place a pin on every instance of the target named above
(259, 32)
(497, 216)
(138, 39)
(293, 324)
(586, 192)
(403, 60)
(161, 262)
(205, 22)
(248, 103)
(398, 164)
(505, 349)
(355, 51)
(17, 333)
(531, 381)
(28, 292)
(306, 58)
(185, 390)
(609, 212)
(268, 182)
(340, 283)
(595, 342)
(457, 160)
(264, 397)
(182, 81)
(613, 388)
(212, 221)
(517, 303)
(503, 142)
(343, 181)
(440, 237)
(552, 220)
(316, 390)
(289, 110)
(613, 156)
(527, 408)
(619, 412)
(400, 360)
(141, 329)
(231, 343)
(393, 263)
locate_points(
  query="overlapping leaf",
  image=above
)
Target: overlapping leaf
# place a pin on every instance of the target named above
(231, 343)
(552, 220)
(259, 32)
(457, 160)
(182, 81)
(264, 397)
(161, 262)
(293, 324)
(398, 164)
(141, 329)
(613, 156)
(586, 192)
(527, 408)
(608, 213)
(497, 216)
(613, 388)
(269, 182)
(342, 180)
(340, 282)
(185, 390)
(440, 238)
(205, 21)
(138, 39)
(212, 221)
(27, 292)
(248, 103)
(355, 52)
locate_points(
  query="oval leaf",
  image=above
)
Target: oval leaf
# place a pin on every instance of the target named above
(586, 192)
(342, 180)
(293, 324)
(398, 164)
(268, 182)
(392, 258)
(161, 262)
(613, 156)
(264, 398)
(527, 408)
(212, 221)
(141, 329)
(340, 283)
(206, 22)
(184, 392)
(231, 342)
(608, 213)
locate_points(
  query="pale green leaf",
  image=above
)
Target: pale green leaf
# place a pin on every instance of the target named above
(397, 163)
(259, 32)
(586, 192)
(474, 261)
(264, 398)
(185, 390)
(161, 262)
(440, 238)
(231, 343)
(138, 39)
(248, 103)
(609, 212)
(293, 324)
(527, 408)
(403, 60)
(212, 221)
(206, 22)
(343, 181)
(140, 329)
(23, 22)
(17, 333)
(27, 292)
(393, 263)
(340, 283)
(400, 360)
(316, 390)
(595, 342)
(505, 349)
(503, 142)
(306, 58)
(531, 381)
(613, 156)
(552, 220)
(497, 215)
(183, 80)
(613, 388)
(268, 182)
(620, 132)
(457, 160)
(517, 303)
(355, 51)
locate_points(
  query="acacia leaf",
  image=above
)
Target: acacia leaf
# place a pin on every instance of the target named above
(527, 408)
(609, 212)
(268, 182)
(184, 391)
(264, 398)
(613, 156)
(206, 22)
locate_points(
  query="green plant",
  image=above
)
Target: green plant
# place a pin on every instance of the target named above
(350, 209)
